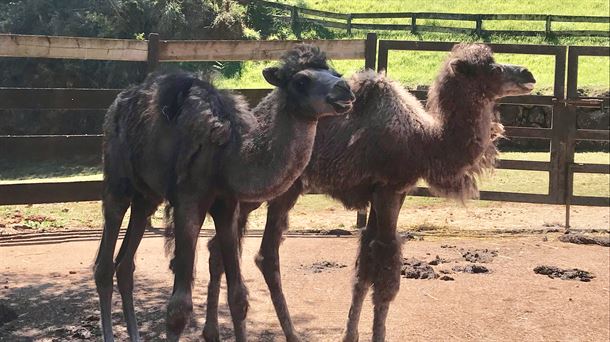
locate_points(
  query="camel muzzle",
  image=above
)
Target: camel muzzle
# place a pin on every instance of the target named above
(341, 97)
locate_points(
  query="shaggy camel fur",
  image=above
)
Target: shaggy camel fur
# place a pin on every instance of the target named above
(375, 156)
(177, 138)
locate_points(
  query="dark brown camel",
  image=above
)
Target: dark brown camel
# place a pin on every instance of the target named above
(176, 137)
(375, 156)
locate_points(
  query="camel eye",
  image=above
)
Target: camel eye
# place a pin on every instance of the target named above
(302, 82)
(496, 69)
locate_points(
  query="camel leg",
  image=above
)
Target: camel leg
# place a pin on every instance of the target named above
(226, 216)
(114, 204)
(363, 278)
(189, 213)
(386, 257)
(216, 268)
(141, 210)
(268, 258)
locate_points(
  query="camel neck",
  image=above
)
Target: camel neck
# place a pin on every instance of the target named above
(272, 156)
(464, 125)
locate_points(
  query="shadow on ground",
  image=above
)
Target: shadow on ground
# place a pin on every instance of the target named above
(64, 307)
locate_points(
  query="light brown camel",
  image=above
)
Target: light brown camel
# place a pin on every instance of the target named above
(176, 137)
(375, 156)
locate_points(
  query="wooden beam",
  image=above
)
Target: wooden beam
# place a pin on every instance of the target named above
(529, 132)
(13, 45)
(33, 193)
(253, 50)
(591, 168)
(529, 165)
(56, 98)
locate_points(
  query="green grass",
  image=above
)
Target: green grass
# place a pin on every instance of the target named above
(419, 68)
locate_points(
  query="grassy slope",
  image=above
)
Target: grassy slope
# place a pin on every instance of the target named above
(417, 68)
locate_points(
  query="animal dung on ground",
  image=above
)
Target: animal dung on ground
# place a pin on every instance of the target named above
(479, 255)
(585, 239)
(321, 266)
(417, 269)
(338, 232)
(437, 260)
(474, 269)
(564, 274)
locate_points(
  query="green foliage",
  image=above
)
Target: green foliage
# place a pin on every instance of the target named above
(130, 19)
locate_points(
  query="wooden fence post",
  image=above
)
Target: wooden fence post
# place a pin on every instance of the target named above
(361, 218)
(349, 24)
(370, 51)
(548, 25)
(294, 20)
(152, 60)
(479, 25)
(414, 23)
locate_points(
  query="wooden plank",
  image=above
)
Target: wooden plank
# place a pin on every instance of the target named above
(590, 201)
(591, 168)
(601, 51)
(254, 50)
(523, 165)
(56, 98)
(13, 45)
(51, 147)
(324, 14)
(580, 19)
(495, 196)
(387, 27)
(582, 33)
(443, 29)
(34, 193)
(528, 132)
(593, 134)
(522, 17)
(326, 23)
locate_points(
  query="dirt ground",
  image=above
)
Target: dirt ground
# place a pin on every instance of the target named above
(47, 281)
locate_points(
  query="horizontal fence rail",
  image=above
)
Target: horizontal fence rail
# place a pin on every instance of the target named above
(346, 22)
(169, 50)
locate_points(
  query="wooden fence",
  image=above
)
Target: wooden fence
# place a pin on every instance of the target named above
(353, 21)
(563, 134)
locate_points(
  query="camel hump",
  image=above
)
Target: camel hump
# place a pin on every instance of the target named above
(174, 89)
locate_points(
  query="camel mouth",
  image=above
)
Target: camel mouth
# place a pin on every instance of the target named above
(342, 106)
(528, 86)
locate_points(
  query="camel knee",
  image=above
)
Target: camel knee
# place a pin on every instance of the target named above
(215, 261)
(124, 275)
(388, 261)
(103, 274)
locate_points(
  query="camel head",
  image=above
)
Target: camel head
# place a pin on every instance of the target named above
(473, 65)
(311, 87)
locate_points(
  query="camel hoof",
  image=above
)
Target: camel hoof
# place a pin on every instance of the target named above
(349, 336)
(178, 314)
(211, 334)
(292, 338)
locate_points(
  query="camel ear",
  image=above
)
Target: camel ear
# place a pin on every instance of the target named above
(460, 67)
(271, 74)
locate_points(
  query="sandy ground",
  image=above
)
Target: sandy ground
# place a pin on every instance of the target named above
(48, 282)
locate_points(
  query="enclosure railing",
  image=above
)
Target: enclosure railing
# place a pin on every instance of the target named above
(294, 16)
(563, 134)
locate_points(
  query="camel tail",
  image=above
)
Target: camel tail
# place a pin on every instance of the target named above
(170, 237)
